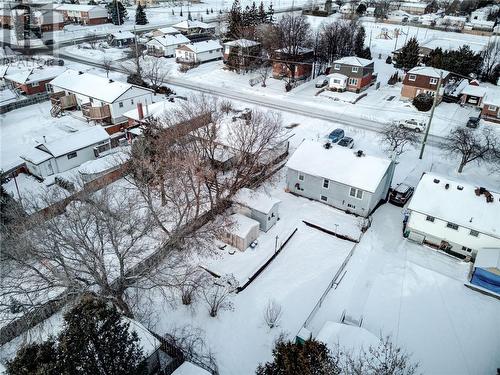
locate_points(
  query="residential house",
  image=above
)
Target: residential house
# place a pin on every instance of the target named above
(188, 368)
(454, 216)
(337, 81)
(242, 232)
(417, 8)
(33, 80)
(146, 2)
(491, 106)
(359, 72)
(423, 79)
(121, 39)
(423, 52)
(486, 271)
(451, 23)
(165, 45)
(190, 28)
(100, 99)
(199, 52)
(241, 54)
(48, 21)
(144, 113)
(473, 94)
(62, 154)
(302, 60)
(5, 18)
(258, 206)
(340, 177)
(165, 31)
(83, 14)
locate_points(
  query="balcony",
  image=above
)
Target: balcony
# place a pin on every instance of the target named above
(62, 100)
(98, 114)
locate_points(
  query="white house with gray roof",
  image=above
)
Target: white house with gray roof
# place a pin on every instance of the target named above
(340, 177)
(258, 206)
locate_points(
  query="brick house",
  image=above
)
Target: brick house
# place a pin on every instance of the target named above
(241, 54)
(49, 21)
(422, 79)
(83, 14)
(303, 67)
(491, 106)
(359, 72)
(473, 94)
(34, 80)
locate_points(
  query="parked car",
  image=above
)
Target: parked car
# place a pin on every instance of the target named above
(346, 142)
(401, 194)
(412, 124)
(321, 82)
(336, 135)
(473, 122)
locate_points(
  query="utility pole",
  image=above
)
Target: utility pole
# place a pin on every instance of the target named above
(117, 12)
(370, 44)
(434, 103)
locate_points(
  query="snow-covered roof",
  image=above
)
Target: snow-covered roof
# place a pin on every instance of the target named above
(187, 24)
(242, 43)
(119, 35)
(169, 40)
(147, 341)
(488, 258)
(200, 47)
(339, 164)
(36, 156)
(346, 336)
(353, 61)
(428, 71)
(77, 7)
(453, 44)
(153, 110)
(242, 225)
(35, 74)
(462, 207)
(338, 76)
(187, 368)
(255, 200)
(167, 30)
(104, 163)
(474, 90)
(492, 97)
(299, 50)
(47, 17)
(75, 141)
(92, 85)
(414, 5)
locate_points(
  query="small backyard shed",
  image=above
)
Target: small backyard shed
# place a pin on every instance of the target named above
(242, 233)
(258, 206)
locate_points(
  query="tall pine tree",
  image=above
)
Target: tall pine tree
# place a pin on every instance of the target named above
(140, 15)
(262, 13)
(116, 12)
(270, 13)
(408, 56)
(235, 21)
(359, 41)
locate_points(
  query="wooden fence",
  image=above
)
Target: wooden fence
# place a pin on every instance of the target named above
(29, 100)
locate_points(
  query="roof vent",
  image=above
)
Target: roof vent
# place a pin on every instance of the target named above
(327, 145)
(80, 72)
(447, 186)
(359, 153)
(111, 81)
(436, 181)
(459, 187)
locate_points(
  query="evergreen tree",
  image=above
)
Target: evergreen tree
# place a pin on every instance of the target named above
(262, 16)
(270, 13)
(180, 14)
(140, 15)
(235, 20)
(190, 18)
(92, 2)
(207, 11)
(116, 12)
(173, 13)
(36, 359)
(211, 10)
(408, 57)
(359, 42)
(253, 15)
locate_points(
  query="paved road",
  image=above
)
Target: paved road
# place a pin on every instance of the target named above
(291, 105)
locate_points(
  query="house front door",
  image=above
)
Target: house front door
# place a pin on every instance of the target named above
(50, 169)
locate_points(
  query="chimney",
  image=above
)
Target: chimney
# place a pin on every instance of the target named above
(140, 111)
(44, 139)
(436, 181)
(80, 72)
(447, 186)
(111, 81)
(359, 153)
(459, 187)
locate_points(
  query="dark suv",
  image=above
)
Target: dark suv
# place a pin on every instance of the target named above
(401, 194)
(473, 122)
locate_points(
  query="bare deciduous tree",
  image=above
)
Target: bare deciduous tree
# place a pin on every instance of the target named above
(263, 72)
(397, 139)
(272, 313)
(154, 72)
(491, 58)
(471, 145)
(106, 65)
(217, 294)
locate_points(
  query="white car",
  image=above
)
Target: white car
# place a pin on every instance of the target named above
(412, 124)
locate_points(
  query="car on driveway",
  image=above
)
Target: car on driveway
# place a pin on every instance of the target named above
(473, 122)
(346, 142)
(321, 82)
(412, 124)
(401, 194)
(336, 135)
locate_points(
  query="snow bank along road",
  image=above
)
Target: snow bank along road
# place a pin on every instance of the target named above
(285, 105)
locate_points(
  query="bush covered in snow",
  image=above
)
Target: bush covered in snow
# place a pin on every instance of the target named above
(423, 102)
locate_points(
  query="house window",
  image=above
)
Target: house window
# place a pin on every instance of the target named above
(430, 218)
(120, 104)
(35, 84)
(72, 155)
(353, 81)
(354, 69)
(466, 249)
(474, 233)
(412, 77)
(301, 177)
(351, 206)
(433, 81)
(452, 226)
(356, 193)
(336, 67)
(131, 101)
(326, 183)
(324, 199)
(492, 108)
